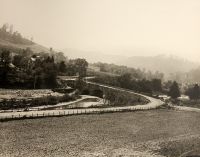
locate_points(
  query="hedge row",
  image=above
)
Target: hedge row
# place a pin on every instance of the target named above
(46, 100)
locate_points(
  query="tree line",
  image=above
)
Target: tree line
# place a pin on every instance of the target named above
(135, 73)
(126, 81)
(149, 87)
(36, 70)
(193, 92)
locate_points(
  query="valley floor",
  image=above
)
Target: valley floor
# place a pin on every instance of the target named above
(153, 133)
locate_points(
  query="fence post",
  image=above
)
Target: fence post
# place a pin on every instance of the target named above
(64, 112)
(19, 115)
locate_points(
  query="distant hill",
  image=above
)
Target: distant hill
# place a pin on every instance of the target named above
(34, 47)
(92, 56)
(162, 63)
(14, 40)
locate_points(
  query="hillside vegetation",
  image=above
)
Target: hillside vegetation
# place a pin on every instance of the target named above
(13, 40)
(164, 63)
(168, 65)
(26, 64)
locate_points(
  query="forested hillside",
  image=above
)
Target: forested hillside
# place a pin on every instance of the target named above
(12, 40)
(137, 74)
(164, 63)
(25, 64)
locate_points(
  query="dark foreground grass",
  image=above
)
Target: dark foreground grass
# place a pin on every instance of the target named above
(143, 133)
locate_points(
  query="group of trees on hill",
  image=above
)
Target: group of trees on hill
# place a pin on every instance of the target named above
(135, 73)
(7, 33)
(137, 80)
(174, 90)
(126, 81)
(27, 71)
(193, 92)
(30, 70)
(76, 67)
(153, 86)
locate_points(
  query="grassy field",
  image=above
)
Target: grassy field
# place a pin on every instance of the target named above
(154, 133)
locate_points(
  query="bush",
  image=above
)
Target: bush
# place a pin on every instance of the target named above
(123, 98)
(64, 98)
(47, 100)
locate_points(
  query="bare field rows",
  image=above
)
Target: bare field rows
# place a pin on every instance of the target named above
(154, 133)
(25, 94)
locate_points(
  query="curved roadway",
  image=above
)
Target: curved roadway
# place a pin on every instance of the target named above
(153, 103)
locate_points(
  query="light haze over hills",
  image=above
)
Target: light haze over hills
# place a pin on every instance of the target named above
(115, 27)
(163, 63)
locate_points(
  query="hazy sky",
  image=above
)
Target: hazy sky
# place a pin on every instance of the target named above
(127, 27)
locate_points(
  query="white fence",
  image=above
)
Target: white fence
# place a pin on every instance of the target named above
(50, 113)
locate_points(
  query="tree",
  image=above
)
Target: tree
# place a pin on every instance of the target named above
(156, 85)
(17, 60)
(36, 77)
(5, 60)
(125, 80)
(62, 67)
(70, 68)
(194, 92)
(50, 71)
(81, 67)
(174, 91)
(44, 73)
(145, 86)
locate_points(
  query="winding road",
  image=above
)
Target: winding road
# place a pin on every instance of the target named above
(153, 104)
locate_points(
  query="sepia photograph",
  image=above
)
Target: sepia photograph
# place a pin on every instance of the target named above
(99, 78)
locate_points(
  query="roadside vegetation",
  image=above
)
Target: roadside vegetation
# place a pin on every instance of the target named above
(127, 82)
(23, 99)
(193, 92)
